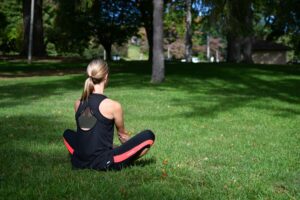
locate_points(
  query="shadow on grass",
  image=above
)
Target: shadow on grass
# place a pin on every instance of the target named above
(26, 92)
(227, 86)
(142, 162)
(221, 95)
(42, 129)
(212, 89)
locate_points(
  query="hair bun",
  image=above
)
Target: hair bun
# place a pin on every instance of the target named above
(95, 80)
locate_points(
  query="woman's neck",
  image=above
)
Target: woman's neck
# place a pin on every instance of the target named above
(99, 88)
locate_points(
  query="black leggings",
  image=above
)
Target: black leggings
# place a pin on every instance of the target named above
(123, 155)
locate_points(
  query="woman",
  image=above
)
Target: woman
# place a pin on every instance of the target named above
(96, 115)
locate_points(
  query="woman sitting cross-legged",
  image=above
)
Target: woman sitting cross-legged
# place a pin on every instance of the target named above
(91, 146)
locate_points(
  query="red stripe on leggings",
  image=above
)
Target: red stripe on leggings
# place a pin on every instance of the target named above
(127, 154)
(70, 149)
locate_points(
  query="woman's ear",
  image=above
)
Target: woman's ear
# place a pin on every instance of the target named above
(106, 79)
(106, 76)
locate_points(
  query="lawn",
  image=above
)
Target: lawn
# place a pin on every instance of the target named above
(222, 132)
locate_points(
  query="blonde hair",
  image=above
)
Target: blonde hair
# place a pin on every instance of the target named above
(96, 72)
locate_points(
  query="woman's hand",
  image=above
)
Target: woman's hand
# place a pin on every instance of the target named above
(123, 137)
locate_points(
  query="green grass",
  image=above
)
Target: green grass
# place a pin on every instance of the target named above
(134, 53)
(222, 132)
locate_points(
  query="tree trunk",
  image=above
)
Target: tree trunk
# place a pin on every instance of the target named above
(188, 32)
(107, 48)
(239, 37)
(38, 46)
(146, 9)
(149, 33)
(233, 48)
(169, 53)
(247, 50)
(247, 40)
(158, 65)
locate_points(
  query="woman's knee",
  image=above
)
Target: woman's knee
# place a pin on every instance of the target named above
(69, 139)
(68, 133)
(149, 135)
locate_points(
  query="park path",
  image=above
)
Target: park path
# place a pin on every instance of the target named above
(54, 72)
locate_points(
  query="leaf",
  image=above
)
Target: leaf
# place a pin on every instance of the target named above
(164, 173)
(165, 162)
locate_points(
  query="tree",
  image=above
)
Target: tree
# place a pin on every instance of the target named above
(175, 28)
(281, 19)
(71, 31)
(170, 28)
(146, 9)
(3, 24)
(236, 21)
(240, 33)
(158, 66)
(38, 31)
(11, 27)
(170, 36)
(113, 21)
(188, 31)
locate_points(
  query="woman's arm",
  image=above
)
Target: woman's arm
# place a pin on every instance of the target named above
(113, 110)
(119, 122)
(76, 105)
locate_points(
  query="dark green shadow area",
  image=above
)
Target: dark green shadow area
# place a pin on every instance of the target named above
(230, 85)
(229, 93)
(26, 92)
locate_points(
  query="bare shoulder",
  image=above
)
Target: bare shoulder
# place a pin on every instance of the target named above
(112, 104)
(76, 104)
(109, 108)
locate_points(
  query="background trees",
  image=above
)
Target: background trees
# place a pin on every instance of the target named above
(113, 21)
(3, 24)
(68, 27)
(243, 22)
(235, 20)
(281, 20)
(38, 28)
(146, 10)
(11, 27)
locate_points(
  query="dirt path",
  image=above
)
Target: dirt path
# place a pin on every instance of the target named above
(54, 72)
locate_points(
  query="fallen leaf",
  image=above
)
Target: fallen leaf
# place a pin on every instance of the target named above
(165, 162)
(164, 173)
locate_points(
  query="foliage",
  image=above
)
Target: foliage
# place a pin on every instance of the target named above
(272, 19)
(174, 17)
(282, 18)
(93, 51)
(144, 45)
(76, 25)
(49, 17)
(3, 24)
(174, 28)
(227, 16)
(71, 31)
(11, 34)
(113, 21)
(222, 132)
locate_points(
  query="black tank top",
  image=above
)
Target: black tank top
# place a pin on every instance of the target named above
(93, 146)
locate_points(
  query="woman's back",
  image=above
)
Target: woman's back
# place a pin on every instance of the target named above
(94, 135)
